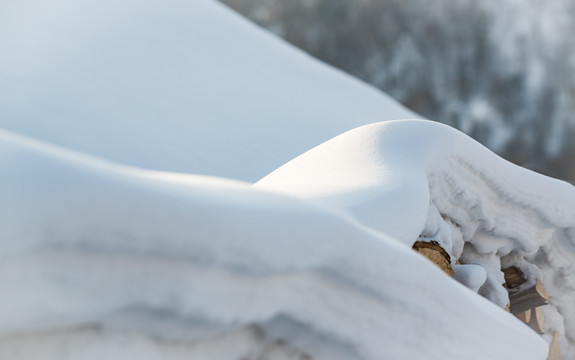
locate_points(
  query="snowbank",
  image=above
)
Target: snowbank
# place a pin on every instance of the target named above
(185, 86)
(101, 260)
(420, 179)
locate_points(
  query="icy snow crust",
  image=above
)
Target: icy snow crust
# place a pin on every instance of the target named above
(419, 179)
(101, 261)
(179, 85)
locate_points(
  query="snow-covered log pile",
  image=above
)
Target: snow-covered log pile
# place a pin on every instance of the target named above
(102, 261)
(418, 180)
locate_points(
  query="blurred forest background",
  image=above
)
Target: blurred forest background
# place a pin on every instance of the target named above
(502, 71)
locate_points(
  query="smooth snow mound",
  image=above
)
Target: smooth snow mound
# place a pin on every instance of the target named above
(100, 261)
(186, 86)
(424, 180)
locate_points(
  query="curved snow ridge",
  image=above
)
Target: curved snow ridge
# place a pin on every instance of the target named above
(419, 179)
(385, 155)
(118, 255)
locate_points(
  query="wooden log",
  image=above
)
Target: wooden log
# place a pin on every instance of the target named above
(554, 348)
(525, 316)
(513, 277)
(529, 298)
(434, 252)
(537, 320)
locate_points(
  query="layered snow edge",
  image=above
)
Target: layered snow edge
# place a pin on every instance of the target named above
(448, 188)
(95, 250)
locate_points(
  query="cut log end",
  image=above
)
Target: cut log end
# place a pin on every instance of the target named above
(541, 290)
(537, 321)
(513, 277)
(554, 350)
(524, 316)
(434, 252)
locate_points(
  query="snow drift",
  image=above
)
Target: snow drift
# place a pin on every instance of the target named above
(101, 260)
(186, 86)
(418, 179)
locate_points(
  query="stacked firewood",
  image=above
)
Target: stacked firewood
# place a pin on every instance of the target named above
(524, 303)
(434, 252)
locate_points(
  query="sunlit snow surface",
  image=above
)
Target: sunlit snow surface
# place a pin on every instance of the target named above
(176, 85)
(418, 178)
(102, 261)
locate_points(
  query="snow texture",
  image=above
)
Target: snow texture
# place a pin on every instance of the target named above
(419, 179)
(99, 260)
(105, 260)
(184, 86)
